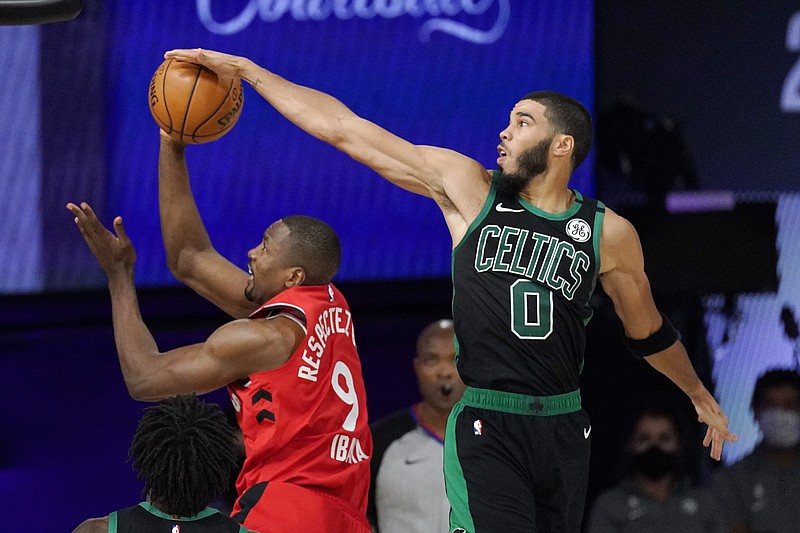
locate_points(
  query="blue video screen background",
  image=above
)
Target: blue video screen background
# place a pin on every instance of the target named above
(443, 73)
(452, 88)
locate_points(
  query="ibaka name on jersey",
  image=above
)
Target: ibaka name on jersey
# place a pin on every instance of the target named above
(332, 321)
(347, 449)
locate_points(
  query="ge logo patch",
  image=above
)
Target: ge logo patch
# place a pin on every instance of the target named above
(579, 230)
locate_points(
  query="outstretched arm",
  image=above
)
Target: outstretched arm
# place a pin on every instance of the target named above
(457, 183)
(624, 280)
(231, 352)
(190, 255)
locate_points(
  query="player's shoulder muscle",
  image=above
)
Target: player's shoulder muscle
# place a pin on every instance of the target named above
(619, 241)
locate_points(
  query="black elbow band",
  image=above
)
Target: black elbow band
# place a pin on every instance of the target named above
(662, 339)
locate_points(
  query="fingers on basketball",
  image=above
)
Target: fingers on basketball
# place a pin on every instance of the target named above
(192, 104)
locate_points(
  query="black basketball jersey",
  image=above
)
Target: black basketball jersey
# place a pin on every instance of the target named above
(144, 518)
(522, 279)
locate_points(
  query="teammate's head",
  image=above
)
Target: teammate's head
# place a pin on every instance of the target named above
(437, 376)
(296, 250)
(184, 451)
(776, 407)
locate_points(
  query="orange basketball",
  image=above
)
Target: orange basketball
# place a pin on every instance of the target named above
(192, 104)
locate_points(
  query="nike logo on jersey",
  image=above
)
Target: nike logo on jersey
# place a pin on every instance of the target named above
(414, 461)
(500, 209)
(586, 431)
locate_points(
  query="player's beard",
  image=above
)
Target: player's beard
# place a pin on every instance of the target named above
(530, 164)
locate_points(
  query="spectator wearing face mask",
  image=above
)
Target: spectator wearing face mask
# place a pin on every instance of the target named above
(656, 495)
(761, 493)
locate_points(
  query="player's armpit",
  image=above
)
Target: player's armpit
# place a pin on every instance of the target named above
(467, 186)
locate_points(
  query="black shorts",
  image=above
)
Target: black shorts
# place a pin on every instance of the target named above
(515, 463)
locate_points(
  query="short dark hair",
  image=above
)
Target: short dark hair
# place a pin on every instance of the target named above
(313, 245)
(568, 116)
(184, 451)
(773, 378)
(657, 410)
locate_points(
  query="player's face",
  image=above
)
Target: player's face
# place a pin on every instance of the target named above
(655, 431)
(525, 147)
(437, 377)
(527, 129)
(267, 265)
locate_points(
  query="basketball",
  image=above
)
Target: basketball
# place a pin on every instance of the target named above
(192, 104)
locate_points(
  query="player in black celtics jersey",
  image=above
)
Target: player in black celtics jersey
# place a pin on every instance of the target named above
(184, 451)
(527, 251)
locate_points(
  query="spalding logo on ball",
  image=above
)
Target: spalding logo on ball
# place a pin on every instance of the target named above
(192, 104)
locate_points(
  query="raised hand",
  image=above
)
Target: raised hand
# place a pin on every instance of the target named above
(222, 64)
(115, 253)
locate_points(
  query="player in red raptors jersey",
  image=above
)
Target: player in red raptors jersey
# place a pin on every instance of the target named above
(289, 359)
(310, 431)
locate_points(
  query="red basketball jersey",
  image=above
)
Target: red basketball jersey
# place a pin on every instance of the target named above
(306, 422)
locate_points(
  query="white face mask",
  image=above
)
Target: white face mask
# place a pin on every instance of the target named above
(781, 427)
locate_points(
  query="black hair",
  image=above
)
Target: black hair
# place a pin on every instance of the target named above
(774, 378)
(184, 451)
(567, 115)
(658, 410)
(313, 245)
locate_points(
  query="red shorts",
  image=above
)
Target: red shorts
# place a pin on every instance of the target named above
(276, 507)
